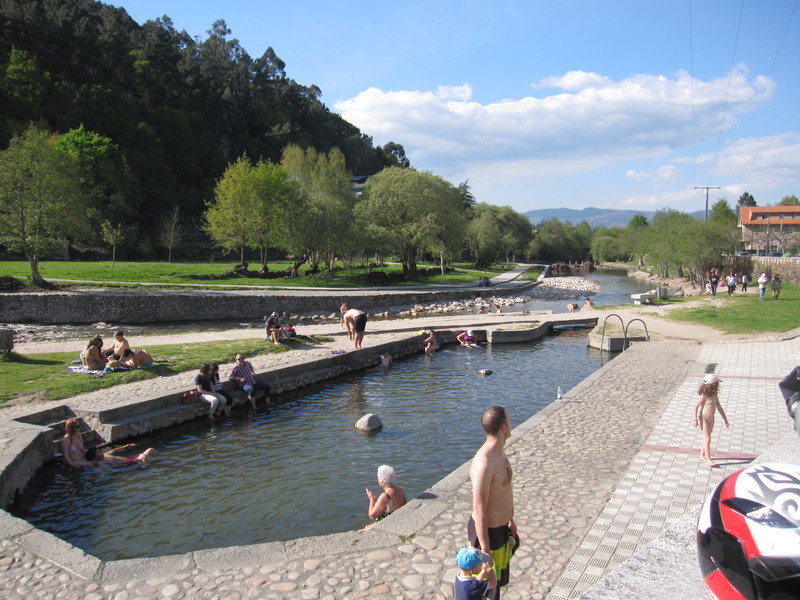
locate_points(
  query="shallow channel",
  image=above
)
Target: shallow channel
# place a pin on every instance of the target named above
(300, 468)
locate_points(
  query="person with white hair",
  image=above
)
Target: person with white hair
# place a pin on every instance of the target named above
(392, 497)
(703, 416)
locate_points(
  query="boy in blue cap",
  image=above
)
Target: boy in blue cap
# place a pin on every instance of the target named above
(476, 577)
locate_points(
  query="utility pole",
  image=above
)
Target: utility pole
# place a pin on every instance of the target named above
(706, 188)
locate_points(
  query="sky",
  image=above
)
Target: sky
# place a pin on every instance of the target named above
(624, 104)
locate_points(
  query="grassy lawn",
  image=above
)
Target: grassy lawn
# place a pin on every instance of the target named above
(744, 313)
(45, 377)
(167, 274)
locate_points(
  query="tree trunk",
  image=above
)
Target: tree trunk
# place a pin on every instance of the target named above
(35, 275)
(241, 255)
(113, 255)
(264, 268)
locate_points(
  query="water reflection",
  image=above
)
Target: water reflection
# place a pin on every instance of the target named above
(300, 468)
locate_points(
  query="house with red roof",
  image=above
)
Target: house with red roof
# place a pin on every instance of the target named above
(768, 229)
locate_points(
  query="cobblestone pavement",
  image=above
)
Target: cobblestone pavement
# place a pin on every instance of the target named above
(578, 466)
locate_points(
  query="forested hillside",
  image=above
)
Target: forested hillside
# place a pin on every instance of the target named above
(153, 115)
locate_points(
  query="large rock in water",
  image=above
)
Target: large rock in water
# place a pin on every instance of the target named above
(369, 422)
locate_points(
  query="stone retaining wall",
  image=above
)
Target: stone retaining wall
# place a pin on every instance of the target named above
(787, 268)
(164, 306)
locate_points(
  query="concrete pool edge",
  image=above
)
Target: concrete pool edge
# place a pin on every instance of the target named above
(401, 528)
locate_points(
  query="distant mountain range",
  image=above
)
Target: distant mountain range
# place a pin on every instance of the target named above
(595, 217)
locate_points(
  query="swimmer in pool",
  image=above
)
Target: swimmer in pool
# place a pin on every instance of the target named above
(72, 445)
(431, 345)
(392, 498)
(94, 455)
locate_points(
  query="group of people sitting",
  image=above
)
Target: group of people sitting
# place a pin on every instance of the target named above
(209, 386)
(76, 455)
(96, 358)
(274, 331)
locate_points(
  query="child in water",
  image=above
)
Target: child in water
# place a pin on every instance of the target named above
(431, 345)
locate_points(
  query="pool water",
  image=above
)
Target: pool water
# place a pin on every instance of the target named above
(300, 467)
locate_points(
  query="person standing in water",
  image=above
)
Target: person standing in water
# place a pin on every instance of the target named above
(703, 416)
(491, 527)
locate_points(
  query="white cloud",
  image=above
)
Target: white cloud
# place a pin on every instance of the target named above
(640, 116)
(574, 80)
(584, 129)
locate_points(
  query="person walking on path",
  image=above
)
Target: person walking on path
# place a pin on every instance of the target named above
(776, 287)
(491, 527)
(714, 279)
(745, 281)
(704, 410)
(355, 321)
(763, 280)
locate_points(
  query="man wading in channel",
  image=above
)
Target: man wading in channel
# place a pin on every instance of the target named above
(491, 527)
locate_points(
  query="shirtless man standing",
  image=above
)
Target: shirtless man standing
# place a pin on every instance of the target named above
(491, 527)
(355, 321)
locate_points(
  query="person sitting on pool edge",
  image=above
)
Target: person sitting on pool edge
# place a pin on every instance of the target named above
(468, 338)
(244, 375)
(94, 455)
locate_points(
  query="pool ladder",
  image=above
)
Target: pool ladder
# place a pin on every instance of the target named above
(624, 330)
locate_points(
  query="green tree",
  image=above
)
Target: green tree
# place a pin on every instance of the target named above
(405, 209)
(113, 235)
(557, 242)
(228, 216)
(171, 231)
(746, 199)
(789, 201)
(318, 224)
(105, 178)
(248, 199)
(40, 203)
(397, 155)
(630, 242)
(722, 213)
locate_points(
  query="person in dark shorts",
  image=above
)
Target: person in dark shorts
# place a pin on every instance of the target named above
(491, 528)
(355, 321)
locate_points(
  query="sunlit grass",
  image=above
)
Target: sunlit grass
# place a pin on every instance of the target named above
(744, 313)
(45, 376)
(212, 273)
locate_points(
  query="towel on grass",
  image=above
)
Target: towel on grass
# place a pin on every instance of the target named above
(86, 370)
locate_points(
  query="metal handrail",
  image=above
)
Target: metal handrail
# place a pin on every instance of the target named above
(624, 330)
(621, 323)
(625, 338)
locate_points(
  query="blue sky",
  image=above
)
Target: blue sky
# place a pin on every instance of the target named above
(543, 104)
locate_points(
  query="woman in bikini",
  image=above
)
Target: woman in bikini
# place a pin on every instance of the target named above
(392, 498)
(91, 357)
(72, 445)
(703, 416)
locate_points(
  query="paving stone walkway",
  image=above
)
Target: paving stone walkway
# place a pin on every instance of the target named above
(583, 469)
